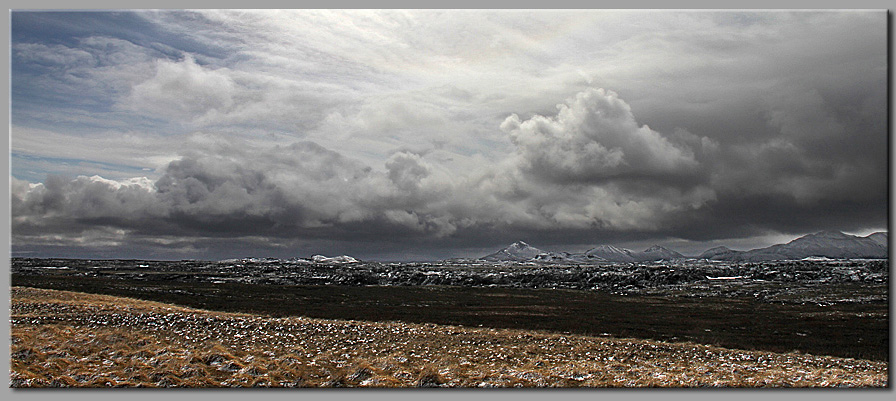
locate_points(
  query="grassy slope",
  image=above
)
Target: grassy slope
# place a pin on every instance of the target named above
(73, 339)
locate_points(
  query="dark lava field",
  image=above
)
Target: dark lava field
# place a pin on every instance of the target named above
(781, 281)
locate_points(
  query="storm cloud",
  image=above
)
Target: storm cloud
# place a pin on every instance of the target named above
(304, 189)
(393, 135)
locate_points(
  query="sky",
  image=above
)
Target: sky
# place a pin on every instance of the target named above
(432, 134)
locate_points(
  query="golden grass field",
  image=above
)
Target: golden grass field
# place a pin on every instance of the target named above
(69, 339)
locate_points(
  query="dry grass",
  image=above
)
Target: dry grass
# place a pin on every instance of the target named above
(66, 339)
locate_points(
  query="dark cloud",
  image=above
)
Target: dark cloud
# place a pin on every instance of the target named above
(588, 174)
(305, 191)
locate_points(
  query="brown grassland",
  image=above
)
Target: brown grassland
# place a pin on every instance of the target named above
(69, 339)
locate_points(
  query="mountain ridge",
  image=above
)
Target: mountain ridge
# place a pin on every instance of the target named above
(822, 244)
(522, 252)
(829, 244)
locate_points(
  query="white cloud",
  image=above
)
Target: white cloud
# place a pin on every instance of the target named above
(53, 55)
(183, 90)
(122, 148)
(90, 71)
(595, 137)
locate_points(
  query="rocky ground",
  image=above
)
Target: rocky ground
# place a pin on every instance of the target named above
(67, 339)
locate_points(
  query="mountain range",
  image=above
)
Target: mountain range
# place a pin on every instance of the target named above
(824, 244)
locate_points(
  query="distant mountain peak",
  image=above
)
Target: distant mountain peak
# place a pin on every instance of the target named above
(719, 252)
(517, 251)
(343, 259)
(880, 237)
(608, 248)
(610, 253)
(658, 252)
(615, 254)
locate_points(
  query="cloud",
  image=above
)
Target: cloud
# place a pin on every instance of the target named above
(223, 186)
(590, 168)
(301, 185)
(67, 209)
(594, 137)
(52, 55)
(121, 148)
(84, 74)
(234, 187)
(406, 170)
(183, 90)
(820, 148)
(356, 128)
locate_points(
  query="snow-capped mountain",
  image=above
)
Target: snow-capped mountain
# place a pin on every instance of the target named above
(718, 253)
(517, 252)
(879, 237)
(616, 254)
(828, 244)
(336, 260)
(657, 252)
(611, 253)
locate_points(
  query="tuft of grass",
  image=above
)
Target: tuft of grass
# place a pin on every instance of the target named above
(429, 377)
